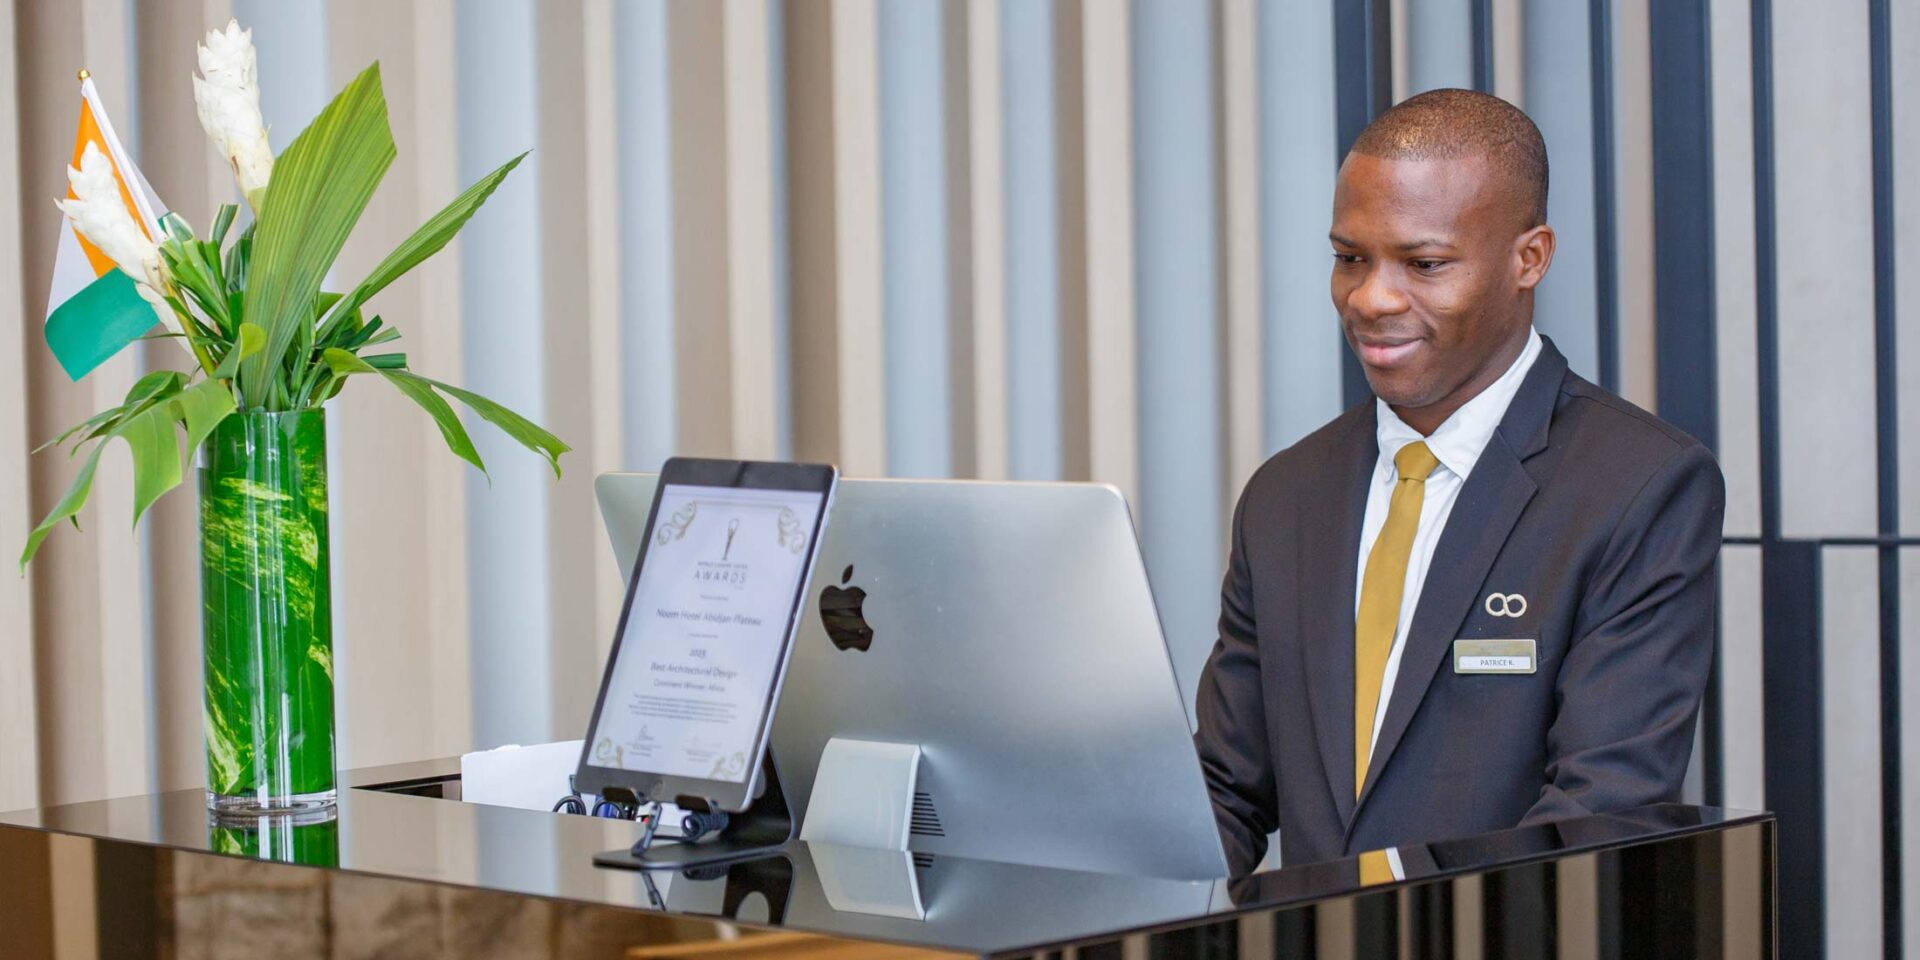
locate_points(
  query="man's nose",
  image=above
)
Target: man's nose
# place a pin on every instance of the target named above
(1378, 295)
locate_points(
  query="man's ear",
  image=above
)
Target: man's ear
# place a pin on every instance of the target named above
(1533, 254)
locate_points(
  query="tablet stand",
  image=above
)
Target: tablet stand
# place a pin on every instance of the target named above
(760, 830)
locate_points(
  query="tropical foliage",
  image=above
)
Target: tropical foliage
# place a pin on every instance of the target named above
(249, 307)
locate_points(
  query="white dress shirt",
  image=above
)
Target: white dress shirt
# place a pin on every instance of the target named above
(1457, 444)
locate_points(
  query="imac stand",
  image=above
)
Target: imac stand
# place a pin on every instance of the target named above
(862, 797)
(863, 794)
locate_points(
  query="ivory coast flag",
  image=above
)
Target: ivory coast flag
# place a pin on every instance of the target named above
(93, 309)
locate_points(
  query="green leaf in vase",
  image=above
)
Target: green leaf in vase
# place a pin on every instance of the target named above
(528, 433)
(98, 419)
(420, 392)
(148, 427)
(252, 339)
(156, 454)
(427, 240)
(222, 221)
(321, 184)
(67, 509)
(201, 407)
(157, 383)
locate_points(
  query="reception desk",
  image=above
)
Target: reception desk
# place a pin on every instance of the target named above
(402, 868)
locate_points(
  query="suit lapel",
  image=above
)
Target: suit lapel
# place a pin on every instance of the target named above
(1330, 541)
(1489, 505)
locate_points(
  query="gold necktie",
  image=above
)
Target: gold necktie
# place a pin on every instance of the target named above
(1380, 593)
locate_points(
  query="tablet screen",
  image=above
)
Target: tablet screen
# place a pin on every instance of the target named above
(694, 674)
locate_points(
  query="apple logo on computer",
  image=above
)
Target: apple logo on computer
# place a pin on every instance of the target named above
(840, 613)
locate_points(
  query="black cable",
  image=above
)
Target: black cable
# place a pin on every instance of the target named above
(640, 846)
(693, 826)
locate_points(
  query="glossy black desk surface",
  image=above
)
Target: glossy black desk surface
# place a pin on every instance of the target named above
(414, 874)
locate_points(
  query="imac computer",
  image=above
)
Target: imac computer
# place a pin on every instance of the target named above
(1008, 631)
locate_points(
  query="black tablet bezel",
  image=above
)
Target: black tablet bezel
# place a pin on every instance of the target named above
(735, 474)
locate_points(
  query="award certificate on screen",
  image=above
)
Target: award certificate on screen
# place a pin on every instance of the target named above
(704, 638)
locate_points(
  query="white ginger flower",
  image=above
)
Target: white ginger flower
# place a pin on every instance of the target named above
(99, 212)
(227, 93)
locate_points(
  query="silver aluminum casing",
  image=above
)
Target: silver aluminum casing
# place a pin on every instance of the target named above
(1017, 642)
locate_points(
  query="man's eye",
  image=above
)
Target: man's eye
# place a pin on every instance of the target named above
(1346, 258)
(1427, 266)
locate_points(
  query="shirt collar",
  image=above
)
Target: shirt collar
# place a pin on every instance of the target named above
(1459, 441)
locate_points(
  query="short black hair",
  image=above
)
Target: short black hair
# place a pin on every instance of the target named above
(1447, 123)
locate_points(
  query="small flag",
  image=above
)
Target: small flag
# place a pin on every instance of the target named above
(93, 309)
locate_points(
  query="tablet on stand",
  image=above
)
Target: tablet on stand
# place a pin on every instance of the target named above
(687, 700)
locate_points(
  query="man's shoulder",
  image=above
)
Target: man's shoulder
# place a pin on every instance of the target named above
(1608, 453)
(1312, 455)
(1591, 422)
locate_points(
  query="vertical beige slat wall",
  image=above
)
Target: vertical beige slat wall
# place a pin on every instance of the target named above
(19, 768)
(1735, 292)
(1239, 200)
(751, 323)
(384, 537)
(856, 168)
(1070, 149)
(191, 179)
(89, 592)
(957, 111)
(573, 523)
(437, 331)
(603, 288)
(1399, 52)
(1633, 165)
(697, 89)
(987, 192)
(814, 293)
(1112, 417)
(1509, 51)
(122, 647)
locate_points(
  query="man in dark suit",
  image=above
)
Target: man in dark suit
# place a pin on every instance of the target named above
(1486, 598)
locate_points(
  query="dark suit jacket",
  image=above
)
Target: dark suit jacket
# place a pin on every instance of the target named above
(1605, 518)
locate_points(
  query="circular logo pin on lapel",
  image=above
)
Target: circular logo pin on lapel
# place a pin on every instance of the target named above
(1506, 605)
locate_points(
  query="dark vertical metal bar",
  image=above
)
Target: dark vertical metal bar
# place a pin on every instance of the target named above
(1519, 911)
(1765, 264)
(1791, 694)
(1887, 444)
(1429, 929)
(1610, 919)
(1683, 287)
(127, 921)
(1770, 888)
(1214, 941)
(1606, 271)
(1294, 934)
(1376, 925)
(1685, 334)
(1795, 770)
(1363, 89)
(1713, 727)
(1483, 45)
(1670, 898)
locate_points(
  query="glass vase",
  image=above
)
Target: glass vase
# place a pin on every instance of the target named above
(310, 838)
(267, 624)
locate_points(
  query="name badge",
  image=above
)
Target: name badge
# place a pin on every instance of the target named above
(1493, 656)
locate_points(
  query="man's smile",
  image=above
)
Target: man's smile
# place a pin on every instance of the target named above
(1386, 352)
